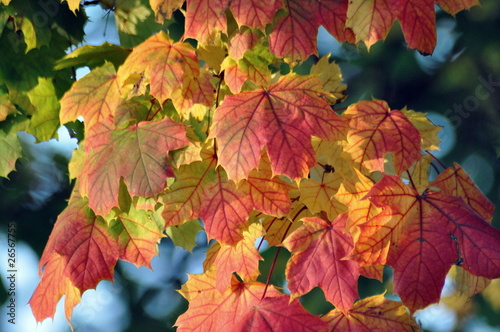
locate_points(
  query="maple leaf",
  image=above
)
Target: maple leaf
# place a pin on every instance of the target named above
(268, 193)
(137, 153)
(165, 8)
(284, 315)
(418, 22)
(332, 15)
(211, 310)
(10, 145)
(373, 313)
(202, 191)
(162, 63)
(243, 40)
(331, 77)
(370, 20)
(282, 118)
(137, 234)
(53, 285)
(438, 231)
(454, 6)
(375, 131)
(318, 195)
(184, 235)
(318, 248)
(82, 239)
(291, 37)
(456, 182)
(184, 197)
(253, 66)
(225, 210)
(83, 250)
(205, 18)
(242, 258)
(44, 123)
(95, 97)
(255, 14)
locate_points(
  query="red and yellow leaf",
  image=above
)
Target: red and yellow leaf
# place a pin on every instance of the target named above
(242, 258)
(318, 249)
(225, 211)
(162, 63)
(438, 231)
(137, 153)
(53, 285)
(255, 14)
(294, 34)
(278, 313)
(94, 97)
(184, 197)
(205, 19)
(456, 182)
(370, 20)
(211, 310)
(332, 15)
(268, 193)
(282, 118)
(375, 130)
(374, 313)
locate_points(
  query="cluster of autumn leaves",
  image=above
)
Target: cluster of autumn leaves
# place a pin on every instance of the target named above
(253, 152)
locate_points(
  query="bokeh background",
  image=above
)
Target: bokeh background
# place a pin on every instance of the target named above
(458, 87)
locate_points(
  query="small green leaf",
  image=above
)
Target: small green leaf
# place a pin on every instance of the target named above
(45, 121)
(10, 145)
(94, 56)
(185, 235)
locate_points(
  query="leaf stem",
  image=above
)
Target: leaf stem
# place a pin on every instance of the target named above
(411, 181)
(436, 159)
(271, 272)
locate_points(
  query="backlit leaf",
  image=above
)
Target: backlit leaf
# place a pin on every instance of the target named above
(162, 63)
(282, 118)
(211, 310)
(94, 97)
(318, 248)
(294, 33)
(137, 153)
(45, 121)
(205, 18)
(241, 258)
(438, 231)
(370, 20)
(255, 14)
(375, 131)
(372, 314)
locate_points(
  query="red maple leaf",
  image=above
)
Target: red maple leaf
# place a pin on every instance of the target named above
(438, 230)
(283, 118)
(375, 130)
(318, 249)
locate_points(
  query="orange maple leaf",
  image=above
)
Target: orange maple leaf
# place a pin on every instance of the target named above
(95, 97)
(374, 313)
(241, 307)
(438, 230)
(375, 130)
